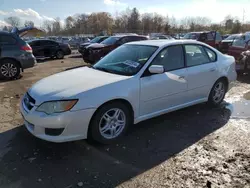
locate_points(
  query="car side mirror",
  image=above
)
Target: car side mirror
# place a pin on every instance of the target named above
(156, 69)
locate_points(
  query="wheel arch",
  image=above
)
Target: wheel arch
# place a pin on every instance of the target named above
(12, 59)
(121, 100)
(225, 79)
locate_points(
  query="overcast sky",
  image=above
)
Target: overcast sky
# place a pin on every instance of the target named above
(40, 10)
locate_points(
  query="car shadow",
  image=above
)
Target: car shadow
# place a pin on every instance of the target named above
(9, 80)
(31, 162)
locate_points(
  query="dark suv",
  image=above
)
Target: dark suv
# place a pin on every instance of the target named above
(43, 49)
(15, 55)
(95, 52)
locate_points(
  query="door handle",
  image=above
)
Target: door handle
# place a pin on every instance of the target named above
(212, 70)
(181, 77)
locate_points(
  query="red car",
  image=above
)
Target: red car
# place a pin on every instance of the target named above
(212, 38)
(238, 49)
(95, 52)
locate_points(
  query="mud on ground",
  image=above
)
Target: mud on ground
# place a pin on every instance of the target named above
(193, 147)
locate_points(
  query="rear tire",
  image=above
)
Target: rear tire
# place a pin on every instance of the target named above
(109, 123)
(59, 54)
(9, 69)
(217, 93)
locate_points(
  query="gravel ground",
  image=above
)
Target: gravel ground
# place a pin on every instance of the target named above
(193, 147)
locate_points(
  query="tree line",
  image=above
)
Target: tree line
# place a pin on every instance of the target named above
(132, 21)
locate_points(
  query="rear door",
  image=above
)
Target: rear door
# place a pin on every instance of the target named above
(37, 48)
(201, 70)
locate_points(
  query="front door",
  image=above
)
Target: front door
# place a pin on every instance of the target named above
(201, 71)
(160, 92)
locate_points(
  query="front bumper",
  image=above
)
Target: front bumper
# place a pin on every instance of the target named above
(74, 124)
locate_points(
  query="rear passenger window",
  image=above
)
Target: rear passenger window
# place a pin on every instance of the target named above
(211, 54)
(7, 40)
(196, 55)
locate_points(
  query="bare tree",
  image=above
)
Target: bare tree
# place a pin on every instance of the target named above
(13, 21)
(47, 25)
(29, 23)
(56, 26)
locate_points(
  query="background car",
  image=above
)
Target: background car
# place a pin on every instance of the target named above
(43, 49)
(94, 52)
(15, 54)
(75, 42)
(212, 38)
(83, 46)
(225, 43)
(239, 46)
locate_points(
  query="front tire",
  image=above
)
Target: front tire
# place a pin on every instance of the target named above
(217, 93)
(9, 69)
(59, 54)
(109, 123)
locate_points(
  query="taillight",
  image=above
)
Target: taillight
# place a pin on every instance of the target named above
(26, 48)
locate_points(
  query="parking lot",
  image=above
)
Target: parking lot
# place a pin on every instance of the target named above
(194, 147)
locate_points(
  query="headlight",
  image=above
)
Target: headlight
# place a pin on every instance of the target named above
(56, 106)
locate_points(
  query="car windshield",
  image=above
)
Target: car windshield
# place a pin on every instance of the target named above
(95, 40)
(191, 36)
(126, 60)
(110, 40)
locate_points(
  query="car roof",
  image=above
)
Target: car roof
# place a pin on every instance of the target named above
(40, 40)
(164, 42)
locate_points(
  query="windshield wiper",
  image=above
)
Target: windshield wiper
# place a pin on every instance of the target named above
(103, 69)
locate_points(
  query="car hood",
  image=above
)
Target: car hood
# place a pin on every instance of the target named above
(85, 44)
(71, 83)
(97, 45)
(226, 41)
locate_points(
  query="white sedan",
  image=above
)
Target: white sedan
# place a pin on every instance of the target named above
(135, 82)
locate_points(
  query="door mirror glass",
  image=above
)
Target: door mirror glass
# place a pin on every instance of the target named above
(156, 69)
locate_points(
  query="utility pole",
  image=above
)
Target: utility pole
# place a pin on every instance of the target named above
(243, 20)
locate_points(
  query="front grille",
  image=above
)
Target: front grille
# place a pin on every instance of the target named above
(28, 101)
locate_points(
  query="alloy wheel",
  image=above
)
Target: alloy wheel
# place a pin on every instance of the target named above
(112, 123)
(219, 92)
(8, 70)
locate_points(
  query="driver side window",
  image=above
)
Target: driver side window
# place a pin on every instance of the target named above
(171, 58)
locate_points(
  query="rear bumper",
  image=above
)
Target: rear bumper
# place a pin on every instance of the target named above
(28, 62)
